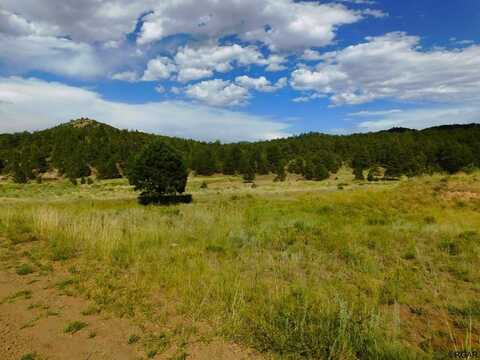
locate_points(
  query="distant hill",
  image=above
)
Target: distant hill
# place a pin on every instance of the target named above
(85, 147)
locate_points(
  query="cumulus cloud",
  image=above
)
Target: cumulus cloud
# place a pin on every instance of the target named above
(129, 76)
(218, 93)
(158, 69)
(280, 24)
(84, 21)
(311, 55)
(261, 84)
(26, 104)
(49, 54)
(393, 67)
(200, 62)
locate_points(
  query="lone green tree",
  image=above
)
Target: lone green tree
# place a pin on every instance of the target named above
(158, 170)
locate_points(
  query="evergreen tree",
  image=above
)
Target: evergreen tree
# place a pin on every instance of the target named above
(248, 170)
(107, 169)
(454, 156)
(358, 173)
(158, 170)
(262, 162)
(204, 162)
(274, 157)
(232, 160)
(280, 173)
(296, 166)
(315, 170)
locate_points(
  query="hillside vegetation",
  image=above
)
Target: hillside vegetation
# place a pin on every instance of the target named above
(84, 147)
(294, 270)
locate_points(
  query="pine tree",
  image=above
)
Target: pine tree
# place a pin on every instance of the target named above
(262, 162)
(158, 170)
(248, 169)
(232, 161)
(280, 173)
(204, 162)
(296, 166)
(358, 173)
(274, 157)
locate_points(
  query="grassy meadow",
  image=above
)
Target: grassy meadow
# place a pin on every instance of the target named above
(297, 270)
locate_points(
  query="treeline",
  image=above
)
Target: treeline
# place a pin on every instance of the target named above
(85, 147)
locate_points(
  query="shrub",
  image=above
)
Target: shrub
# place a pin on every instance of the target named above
(74, 327)
(24, 269)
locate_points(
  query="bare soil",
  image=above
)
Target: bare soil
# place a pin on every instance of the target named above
(34, 314)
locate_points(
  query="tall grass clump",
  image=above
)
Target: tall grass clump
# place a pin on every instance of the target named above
(297, 326)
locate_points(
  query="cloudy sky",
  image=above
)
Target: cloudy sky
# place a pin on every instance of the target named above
(240, 69)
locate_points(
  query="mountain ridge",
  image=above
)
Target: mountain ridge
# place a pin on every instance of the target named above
(78, 146)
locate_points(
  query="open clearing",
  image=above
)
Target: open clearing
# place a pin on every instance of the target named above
(295, 270)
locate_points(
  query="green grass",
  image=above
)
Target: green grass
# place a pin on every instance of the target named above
(29, 356)
(24, 269)
(74, 327)
(297, 269)
(132, 339)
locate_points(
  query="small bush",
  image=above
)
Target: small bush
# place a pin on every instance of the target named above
(24, 269)
(132, 339)
(30, 356)
(204, 185)
(430, 220)
(450, 247)
(215, 248)
(74, 327)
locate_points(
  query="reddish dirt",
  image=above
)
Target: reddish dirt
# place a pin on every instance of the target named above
(35, 324)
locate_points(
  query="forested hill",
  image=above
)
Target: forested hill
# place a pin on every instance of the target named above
(84, 147)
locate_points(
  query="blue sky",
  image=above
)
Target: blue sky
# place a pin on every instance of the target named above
(240, 69)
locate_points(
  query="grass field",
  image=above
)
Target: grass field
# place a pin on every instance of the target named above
(295, 270)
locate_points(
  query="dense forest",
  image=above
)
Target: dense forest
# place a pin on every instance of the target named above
(84, 147)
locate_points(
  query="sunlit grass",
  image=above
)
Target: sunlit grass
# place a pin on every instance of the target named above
(299, 269)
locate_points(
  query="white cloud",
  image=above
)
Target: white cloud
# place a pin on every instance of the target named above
(308, 98)
(423, 118)
(311, 55)
(14, 24)
(84, 21)
(280, 24)
(218, 93)
(276, 63)
(261, 84)
(375, 13)
(393, 67)
(160, 89)
(26, 104)
(159, 69)
(375, 113)
(200, 62)
(50, 54)
(129, 76)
